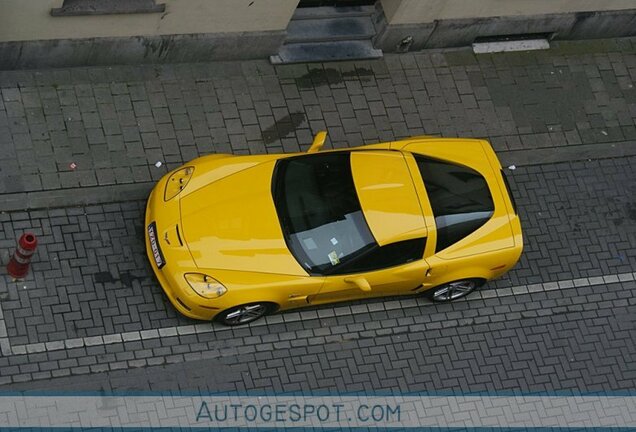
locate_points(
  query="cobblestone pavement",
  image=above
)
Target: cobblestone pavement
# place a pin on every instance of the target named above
(115, 123)
(91, 275)
(91, 316)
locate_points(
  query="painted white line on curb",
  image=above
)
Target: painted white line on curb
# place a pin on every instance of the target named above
(207, 327)
(5, 345)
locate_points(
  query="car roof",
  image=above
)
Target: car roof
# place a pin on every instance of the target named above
(387, 195)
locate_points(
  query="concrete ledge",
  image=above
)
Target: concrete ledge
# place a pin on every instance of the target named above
(138, 50)
(75, 197)
(462, 32)
(572, 153)
(596, 25)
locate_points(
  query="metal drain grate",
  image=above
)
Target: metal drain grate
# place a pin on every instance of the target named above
(523, 42)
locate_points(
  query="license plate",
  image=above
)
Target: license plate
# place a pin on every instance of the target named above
(154, 245)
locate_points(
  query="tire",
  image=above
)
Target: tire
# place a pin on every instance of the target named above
(454, 290)
(244, 314)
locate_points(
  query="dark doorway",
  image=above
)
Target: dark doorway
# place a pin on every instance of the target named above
(328, 30)
(317, 3)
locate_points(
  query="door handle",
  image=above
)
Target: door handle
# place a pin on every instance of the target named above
(360, 282)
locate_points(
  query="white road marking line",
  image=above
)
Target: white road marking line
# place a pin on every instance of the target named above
(298, 315)
(5, 345)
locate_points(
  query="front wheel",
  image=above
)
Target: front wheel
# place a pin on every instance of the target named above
(244, 314)
(455, 290)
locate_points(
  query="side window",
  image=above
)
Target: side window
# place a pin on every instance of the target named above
(386, 256)
(459, 196)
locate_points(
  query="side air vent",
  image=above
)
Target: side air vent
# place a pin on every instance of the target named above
(185, 306)
(179, 235)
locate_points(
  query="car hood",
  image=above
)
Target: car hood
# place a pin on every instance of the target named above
(232, 224)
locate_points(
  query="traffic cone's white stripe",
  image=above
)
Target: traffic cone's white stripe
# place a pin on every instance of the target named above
(20, 259)
(24, 252)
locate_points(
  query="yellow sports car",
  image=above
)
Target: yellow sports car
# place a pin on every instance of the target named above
(234, 238)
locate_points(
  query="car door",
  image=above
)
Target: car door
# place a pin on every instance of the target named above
(393, 269)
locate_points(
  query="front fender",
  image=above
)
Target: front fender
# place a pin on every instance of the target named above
(286, 291)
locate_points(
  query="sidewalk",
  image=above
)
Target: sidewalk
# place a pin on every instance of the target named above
(115, 123)
(90, 315)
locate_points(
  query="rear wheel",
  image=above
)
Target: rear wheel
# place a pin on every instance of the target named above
(455, 290)
(244, 314)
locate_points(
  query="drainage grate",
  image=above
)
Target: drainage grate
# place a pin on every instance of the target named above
(519, 42)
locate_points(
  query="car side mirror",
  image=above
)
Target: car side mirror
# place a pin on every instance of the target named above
(319, 141)
(360, 282)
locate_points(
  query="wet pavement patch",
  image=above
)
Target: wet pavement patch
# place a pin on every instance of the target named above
(630, 209)
(539, 95)
(128, 278)
(326, 76)
(283, 127)
(104, 277)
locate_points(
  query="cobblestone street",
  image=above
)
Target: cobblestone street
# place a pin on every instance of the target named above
(79, 152)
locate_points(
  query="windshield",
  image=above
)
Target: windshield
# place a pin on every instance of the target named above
(319, 211)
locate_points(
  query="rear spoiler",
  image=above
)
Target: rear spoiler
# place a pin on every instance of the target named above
(512, 197)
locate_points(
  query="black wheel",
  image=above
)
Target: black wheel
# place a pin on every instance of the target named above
(455, 290)
(244, 314)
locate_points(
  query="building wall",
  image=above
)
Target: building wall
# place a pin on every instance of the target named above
(22, 20)
(204, 30)
(426, 11)
(187, 31)
(407, 25)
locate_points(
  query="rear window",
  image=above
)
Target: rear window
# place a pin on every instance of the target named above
(459, 196)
